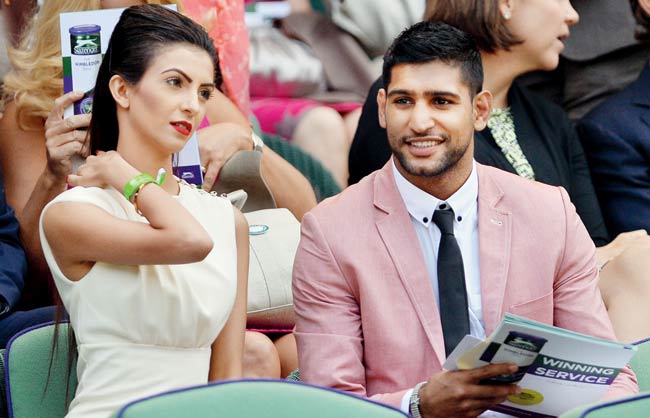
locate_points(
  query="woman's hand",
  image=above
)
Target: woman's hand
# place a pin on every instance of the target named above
(64, 138)
(612, 250)
(102, 170)
(217, 144)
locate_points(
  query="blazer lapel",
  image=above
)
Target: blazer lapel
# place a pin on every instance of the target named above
(395, 228)
(495, 230)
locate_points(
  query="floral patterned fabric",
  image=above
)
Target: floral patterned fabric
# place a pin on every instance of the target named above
(502, 127)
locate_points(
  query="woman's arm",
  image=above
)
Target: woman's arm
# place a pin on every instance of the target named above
(230, 133)
(228, 348)
(82, 233)
(35, 164)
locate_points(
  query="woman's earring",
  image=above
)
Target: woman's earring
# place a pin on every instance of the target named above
(507, 15)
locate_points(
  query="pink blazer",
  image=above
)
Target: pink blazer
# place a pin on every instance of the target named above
(367, 320)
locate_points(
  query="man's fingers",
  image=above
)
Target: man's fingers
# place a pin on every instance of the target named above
(473, 407)
(491, 370)
(489, 392)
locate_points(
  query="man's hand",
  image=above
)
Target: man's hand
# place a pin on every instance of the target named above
(458, 394)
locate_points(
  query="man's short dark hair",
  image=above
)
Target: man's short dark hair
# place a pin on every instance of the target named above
(436, 41)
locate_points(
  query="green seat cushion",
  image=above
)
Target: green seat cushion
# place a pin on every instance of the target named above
(34, 389)
(635, 406)
(3, 392)
(259, 399)
(640, 364)
(320, 178)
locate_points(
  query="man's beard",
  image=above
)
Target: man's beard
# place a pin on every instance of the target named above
(436, 168)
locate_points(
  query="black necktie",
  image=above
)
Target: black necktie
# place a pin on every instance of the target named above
(451, 281)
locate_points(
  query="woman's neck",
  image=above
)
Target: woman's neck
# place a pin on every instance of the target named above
(147, 162)
(499, 73)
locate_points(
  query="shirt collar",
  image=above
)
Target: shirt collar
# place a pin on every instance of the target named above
(421, 204)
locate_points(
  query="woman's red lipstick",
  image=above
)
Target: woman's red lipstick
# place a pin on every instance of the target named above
(182, 127)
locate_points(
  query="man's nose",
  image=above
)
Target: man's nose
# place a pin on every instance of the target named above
(422, 118)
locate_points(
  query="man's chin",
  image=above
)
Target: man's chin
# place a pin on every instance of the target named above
(429, 172)
(425, 169)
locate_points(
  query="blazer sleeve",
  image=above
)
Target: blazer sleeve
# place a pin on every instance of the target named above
(328, 320)
(578, 304)
(620, 172)
(13, 263)
(582, 190)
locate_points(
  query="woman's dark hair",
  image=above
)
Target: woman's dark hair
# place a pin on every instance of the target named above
(642, 32)
(436, 41)
(138, 36)
(480, 18)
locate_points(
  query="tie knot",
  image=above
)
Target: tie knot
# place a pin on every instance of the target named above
(444, 219)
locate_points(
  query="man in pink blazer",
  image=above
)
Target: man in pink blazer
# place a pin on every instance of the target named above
(366, 288)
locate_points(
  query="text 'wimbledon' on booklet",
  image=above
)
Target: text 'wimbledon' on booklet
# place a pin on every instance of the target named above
(84, 40)
(558, 369)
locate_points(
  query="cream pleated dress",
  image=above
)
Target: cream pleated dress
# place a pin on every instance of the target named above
(142, 330)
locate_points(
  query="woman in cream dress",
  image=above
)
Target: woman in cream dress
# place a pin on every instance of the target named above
(151, 271)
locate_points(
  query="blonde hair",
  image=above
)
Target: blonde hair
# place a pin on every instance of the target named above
(36, 78)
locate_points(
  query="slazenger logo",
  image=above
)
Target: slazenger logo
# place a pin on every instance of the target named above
(86, 47)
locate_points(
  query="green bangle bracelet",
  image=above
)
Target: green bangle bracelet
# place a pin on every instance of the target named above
(132, 186)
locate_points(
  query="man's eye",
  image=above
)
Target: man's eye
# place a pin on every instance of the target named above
(441, 102)
(174, 81)
(402, 100)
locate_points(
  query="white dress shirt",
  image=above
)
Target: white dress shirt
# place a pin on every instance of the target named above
(464, 203)
(421, 206)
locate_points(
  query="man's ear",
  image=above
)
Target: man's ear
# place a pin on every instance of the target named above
(482, 105)
(120, 90)
(381, 107)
